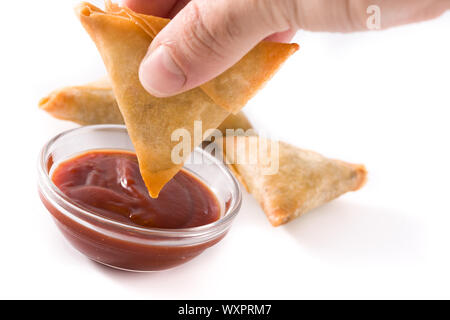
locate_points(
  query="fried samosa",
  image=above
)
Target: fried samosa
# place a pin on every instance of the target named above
(122, 38)
(299, 181)
(94, 103)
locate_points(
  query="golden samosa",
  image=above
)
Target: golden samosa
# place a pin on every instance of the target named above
(122, 38)
(91, 103)
(94, 103)
(288, 181)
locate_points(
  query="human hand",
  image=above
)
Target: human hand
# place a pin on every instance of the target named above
(206, 37)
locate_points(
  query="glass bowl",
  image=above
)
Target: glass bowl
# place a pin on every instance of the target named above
(123, 246)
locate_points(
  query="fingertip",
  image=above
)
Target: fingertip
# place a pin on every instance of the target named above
(132, 4)
(282, 37)
(160, 8)
(160, 75)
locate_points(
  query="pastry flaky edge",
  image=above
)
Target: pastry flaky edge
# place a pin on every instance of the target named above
(304, 179)
(122, 37)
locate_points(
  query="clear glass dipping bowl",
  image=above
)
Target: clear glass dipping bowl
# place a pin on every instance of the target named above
(124, 246)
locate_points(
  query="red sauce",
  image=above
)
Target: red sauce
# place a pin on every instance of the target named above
(109, 184)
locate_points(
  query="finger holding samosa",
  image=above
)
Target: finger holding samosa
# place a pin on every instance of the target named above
(122, 38)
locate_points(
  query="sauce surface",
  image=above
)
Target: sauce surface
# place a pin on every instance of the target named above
(109, 184)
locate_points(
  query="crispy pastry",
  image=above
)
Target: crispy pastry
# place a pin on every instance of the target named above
(122, 38)
(94, 103)
(304, 179)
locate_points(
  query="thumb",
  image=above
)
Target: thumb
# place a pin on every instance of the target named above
(206, 38)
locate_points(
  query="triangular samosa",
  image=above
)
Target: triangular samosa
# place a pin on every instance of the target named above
(288, 181)
(91, 103)
(94, 103)
(122, 38)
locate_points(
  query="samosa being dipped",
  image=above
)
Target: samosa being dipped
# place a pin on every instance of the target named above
(288, 181)
(122, 38)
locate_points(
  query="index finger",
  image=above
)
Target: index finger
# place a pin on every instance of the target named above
(159, 8)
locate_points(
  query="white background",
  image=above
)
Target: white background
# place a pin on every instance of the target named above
(378, 98)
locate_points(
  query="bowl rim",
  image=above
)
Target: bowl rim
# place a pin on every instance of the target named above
(46, 183)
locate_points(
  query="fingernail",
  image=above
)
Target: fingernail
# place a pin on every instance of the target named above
(160, 75)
